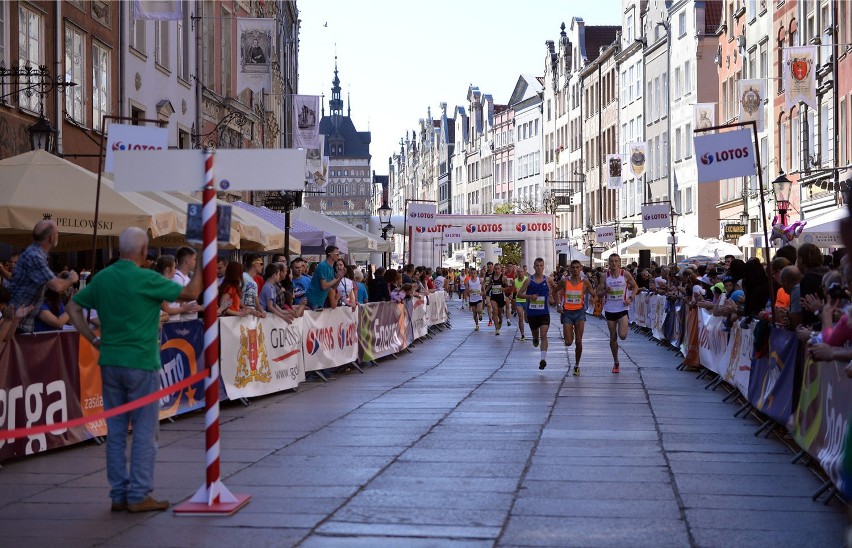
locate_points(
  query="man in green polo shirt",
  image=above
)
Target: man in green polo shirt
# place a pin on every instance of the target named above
(128, 300)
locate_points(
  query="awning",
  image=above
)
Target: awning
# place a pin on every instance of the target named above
(359, 241)
(314, 240)
(824, 230)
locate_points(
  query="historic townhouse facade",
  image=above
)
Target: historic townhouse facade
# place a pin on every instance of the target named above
(525, 101)
(657, 61)
(504, 154)
(445, 147)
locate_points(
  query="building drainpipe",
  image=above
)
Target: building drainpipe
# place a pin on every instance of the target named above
(836, 100)
(122, 46)
(58, 58)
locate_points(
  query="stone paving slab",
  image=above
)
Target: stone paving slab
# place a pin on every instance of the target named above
(462, 442)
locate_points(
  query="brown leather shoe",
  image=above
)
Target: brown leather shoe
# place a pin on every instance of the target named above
(119, 507)
(148, 505)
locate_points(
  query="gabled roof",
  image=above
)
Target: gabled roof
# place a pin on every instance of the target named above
(355, 143)
(527, 86)
(598, 37)
(712, 15)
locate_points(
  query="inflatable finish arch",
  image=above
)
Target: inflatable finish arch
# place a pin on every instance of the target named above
(535, 231)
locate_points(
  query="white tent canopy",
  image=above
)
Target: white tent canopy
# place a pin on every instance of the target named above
(658, 242)
(713, 248)
(359, 241)
(824, 230)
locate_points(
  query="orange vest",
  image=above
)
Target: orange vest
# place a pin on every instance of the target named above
(574, 293)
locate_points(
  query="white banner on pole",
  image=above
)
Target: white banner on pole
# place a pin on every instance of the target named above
(604, 234)
(703, 115)
(452, 235)
(254, 64)
(233, 169)
(750, 96)
(724, 155)
(330, 337)
(498, 251)
(613, 163)
(306, 113)
(157, 10)
(656, 216)
(562, 246)
(422, 215)
(800, 76)
(638, 158)
(260, 356)
(133, 138)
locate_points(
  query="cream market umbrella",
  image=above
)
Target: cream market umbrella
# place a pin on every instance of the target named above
(37, 185)
(713, 248)
(178, 238)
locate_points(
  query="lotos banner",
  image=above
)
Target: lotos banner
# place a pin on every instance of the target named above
(382, 327)
(130, 137)
(656, 216)
(724, 155)
(422, 215)
(770, 386)
(260, 356)
(330, 337)
(821, 419)
(605, 234)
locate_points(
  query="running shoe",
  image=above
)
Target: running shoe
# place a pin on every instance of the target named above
(535, 342)
(542, 364)
(523, 338)
(497, 332)
(476, 328)
(576, 371)
(616, 369)
(508, 322)
(490, 323)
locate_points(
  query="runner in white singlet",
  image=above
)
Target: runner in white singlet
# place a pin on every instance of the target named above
(618, 290)
(473, 294)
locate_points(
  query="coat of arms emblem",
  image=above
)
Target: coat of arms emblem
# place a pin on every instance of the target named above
(252, 361)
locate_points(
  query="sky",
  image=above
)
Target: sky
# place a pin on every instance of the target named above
(397, 58)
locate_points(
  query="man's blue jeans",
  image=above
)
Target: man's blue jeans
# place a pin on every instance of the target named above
(122, 385)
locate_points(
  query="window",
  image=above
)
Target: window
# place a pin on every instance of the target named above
(681, 24)
(658, 98)
(795, 149)
(623, 87)
(784, 140)
(687, 78)
(100, 84)
(137, 33)
(75, 61)
(764, 60)
(4, 43)
(779, 75)
(629, 30)
(183, 27)
(30, 42)
(678, 88)
(813, 133)
(826, 143)
(678, 137)
(161, 43)
(842, 153)
(687, 200)
(687, 141)
(226, 48)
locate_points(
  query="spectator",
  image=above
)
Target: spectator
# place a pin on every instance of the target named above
(348, 293)
(285, 285)
(254, 269)
(809, 262)
(9, 317)
(32, 275)
(181, 268)
(782, 298)
(232, 290)
(360, 288)
(128, 300)
(221, 265)
(6, 273)
(756, 288)
(301, 281)
(379, 290)
(324, 279)
(789, 279)
(408, 274)
(441, 279)
(52, 316)
(165, 266)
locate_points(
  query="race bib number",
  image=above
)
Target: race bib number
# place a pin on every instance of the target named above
(616, 294)
(495, 290)
(573, 297)
(537, 303)
(475, 291)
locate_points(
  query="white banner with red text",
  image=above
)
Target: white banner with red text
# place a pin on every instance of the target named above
(330, 337)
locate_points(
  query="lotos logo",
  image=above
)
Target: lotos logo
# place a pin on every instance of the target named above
(120, 145)
(706, 158)
(483, 228)
(724, 155)
(322, 337)
(419, 229)
(346, 335)
(533, 227)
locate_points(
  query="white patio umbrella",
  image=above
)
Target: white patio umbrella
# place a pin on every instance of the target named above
(714, 248)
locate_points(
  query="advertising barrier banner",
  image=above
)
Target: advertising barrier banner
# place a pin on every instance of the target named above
(181, 346)
(419, 327)
(712, 341)
(820, 423)
(330, 338)
(639, 314)
(770, 387)
(436, 310)
(382, 327)
(656, 315)
(737, 358)
(260, 356)
(689, 342)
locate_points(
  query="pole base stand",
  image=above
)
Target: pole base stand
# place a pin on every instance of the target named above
(201, 505)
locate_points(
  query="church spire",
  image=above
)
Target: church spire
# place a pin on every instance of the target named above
(335, 105)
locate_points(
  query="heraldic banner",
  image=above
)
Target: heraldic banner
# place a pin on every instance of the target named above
(329, 338)
(260, 356)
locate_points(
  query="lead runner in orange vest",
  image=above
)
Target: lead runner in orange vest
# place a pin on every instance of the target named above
(572, 293)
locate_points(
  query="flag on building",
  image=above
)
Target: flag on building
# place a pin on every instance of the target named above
(613, 164)
(158, 10)
(750, 96)
(704, 115)
(255, 52)
(800, 76)
(638, 158)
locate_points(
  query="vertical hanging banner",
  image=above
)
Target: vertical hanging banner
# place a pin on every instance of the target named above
(254, 65)
(158, 10)
(638, 158)
(656, 216)
(800, 76)
(307, 116)
(750, 96)
(613, 163)
(703, 115)
(724, 155)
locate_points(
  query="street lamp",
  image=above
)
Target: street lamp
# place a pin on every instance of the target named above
(674, 234)
(744, 219)
(384, 214)
(42, 135)
(781, 187)
(590, 241)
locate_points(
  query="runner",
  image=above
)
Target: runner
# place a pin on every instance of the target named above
(495, 287)
(572, 293)
(473, 294)
(461, 285)
(509, 292)
(613, 290)
(537, 290)
(520, 304)
(486, 279)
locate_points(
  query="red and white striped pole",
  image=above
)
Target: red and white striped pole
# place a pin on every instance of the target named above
(212, 497)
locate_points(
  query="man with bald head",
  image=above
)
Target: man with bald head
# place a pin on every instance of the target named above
(127, 298)
(32, 275)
